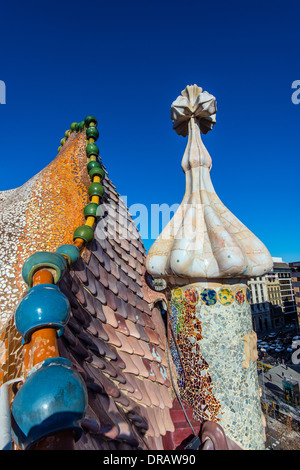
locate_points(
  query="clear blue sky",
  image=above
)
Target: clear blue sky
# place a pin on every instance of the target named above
(125, 62)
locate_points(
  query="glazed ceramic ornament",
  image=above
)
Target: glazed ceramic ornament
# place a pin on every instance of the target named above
(204, 239)
(206, 254)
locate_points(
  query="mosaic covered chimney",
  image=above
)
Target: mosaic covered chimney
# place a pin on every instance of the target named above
(206, 255)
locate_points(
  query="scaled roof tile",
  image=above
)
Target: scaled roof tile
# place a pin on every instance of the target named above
(133, 331)
(109, 315)
(126, 343)
(136, 345)
(144, 391)
(138, 362)
(136, 392)
(122, 326)
(112, 337)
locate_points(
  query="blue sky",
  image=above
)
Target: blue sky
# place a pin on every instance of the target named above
(125, 63)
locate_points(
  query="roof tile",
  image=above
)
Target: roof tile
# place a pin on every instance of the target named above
(100, 238)
(103, 275)
(155, 352)
(133, 331)
(142, 332)
(97, 251)
(126, 385)
(135, 416)
(90, 421)
(112, 337)
(135, 345)
(110, 299)
(160, 422)
(131, 368)
(136, 394)
(126, 346)
(122, 307)
(131, 273)
(99, 404)
(122, 326)
(139, 363)
(149, 367)
(153, 336)
(113, 284)
(139, 318)
(147, 321)
(123, 292)
(122, 400)
(146, 400)
(147, 353)
(88, 304)
(95, 327)
(94, 266)
(78, 290)
(98, 362)
(123, 277)
(159, 372)
(110, 317)
(118, 362)
(138, 302)
(144, 413)
(109, 386)
(101, 293)
(131, 297)
(91, 282)
(106, 261)
(125, 430)
(79, 268)
(103, 348)
(165, 393)
(150, 387)
(115, 270)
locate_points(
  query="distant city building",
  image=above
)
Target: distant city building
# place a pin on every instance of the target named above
(260, 308)
(284, 274)
(273, 299)
(295, 267)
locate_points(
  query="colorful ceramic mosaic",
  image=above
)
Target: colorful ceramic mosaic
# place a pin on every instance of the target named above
(177, 295)
(208, 296)
(239, 295)
(11, 353)
(226, 296)
(47, 209)
(204, 333)
(191, 296)
(192, 369)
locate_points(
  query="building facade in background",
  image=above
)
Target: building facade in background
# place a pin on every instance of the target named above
(273, 297)
(260, 305)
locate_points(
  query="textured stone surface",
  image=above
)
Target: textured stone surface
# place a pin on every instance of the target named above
(40, 215)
